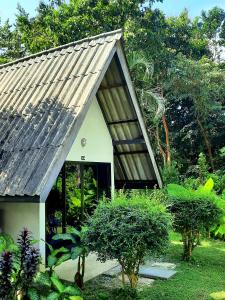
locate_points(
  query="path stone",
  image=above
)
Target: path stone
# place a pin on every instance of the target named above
(153, 270)
(156, 273)
(164, 265)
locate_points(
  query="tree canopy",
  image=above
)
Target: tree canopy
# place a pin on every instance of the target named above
(179, 85)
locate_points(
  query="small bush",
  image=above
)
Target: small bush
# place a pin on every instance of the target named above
(194, 211)
(128, 229)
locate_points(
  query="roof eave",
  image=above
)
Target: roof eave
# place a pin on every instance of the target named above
(20, 199)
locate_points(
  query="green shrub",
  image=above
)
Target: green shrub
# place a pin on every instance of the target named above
(194, 211)
(128, 229)
(18, 269)
(7, 243)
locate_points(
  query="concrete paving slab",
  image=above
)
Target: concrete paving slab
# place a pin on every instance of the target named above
(93, 268)
(156, 273)
(164, 265)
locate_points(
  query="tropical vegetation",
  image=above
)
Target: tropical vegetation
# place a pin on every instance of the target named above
(175, 65)
(178, 69)
(128, 229)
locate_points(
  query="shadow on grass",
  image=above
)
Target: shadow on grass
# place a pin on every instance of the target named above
(193, 281)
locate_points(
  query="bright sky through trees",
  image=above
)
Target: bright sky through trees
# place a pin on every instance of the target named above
(170, 7)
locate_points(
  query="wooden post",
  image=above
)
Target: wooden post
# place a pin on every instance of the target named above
(82, 191)
(97, 182)
(64, 198)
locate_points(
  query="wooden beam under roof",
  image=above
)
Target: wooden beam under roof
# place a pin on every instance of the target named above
(136, 184)
(129, 142)
(145, 151)
(123, 121)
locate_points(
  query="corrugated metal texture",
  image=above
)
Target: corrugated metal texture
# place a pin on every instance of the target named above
(41, 98)
(132, 160)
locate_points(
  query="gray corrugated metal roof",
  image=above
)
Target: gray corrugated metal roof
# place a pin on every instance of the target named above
(43, 101)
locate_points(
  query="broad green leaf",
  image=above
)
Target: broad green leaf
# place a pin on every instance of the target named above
(75, 252)
(59, 286)
(209, 185)
(64, 237)
(63, 258)
(51, 261)
(74, 231)
(71, 291)
(75, 298)
(49, 245)
(3, 244)
(33, 242)
(33, 294)
(53, 296)
(43, 278)
(60, 250)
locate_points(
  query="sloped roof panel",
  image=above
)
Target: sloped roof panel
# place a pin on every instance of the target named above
(41, 98)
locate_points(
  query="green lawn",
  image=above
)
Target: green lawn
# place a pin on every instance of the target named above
(192, 281)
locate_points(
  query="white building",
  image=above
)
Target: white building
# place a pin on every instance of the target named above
(72, 103)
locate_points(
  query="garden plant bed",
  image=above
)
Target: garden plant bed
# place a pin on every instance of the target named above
(195, 280)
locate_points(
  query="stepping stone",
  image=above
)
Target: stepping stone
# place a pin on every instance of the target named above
(156, 273)
(164, 265)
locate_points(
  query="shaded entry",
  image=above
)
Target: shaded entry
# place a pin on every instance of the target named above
(75, 195)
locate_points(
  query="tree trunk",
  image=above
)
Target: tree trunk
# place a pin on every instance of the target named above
(166, 129)
(133, 278)
(162, 152)
(188, 245)
(207, 142)
(79, 276)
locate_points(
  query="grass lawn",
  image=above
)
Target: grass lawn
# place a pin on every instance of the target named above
(194, 280)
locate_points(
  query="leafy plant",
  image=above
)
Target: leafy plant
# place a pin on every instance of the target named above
(128, 229)
(48, 285)
(7, 243)
(18, 269)
(76, 249)
(194, 211)
(6, 269)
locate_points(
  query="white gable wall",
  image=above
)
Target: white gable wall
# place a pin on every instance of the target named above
(99, 146)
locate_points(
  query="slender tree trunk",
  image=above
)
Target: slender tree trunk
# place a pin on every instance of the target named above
(133, 278)
(166, 129)
(207, 142)
(162, 152)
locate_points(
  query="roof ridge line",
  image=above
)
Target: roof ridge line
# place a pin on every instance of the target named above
(62, 47)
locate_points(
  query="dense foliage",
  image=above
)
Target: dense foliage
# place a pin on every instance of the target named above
(173, 60)
(195, 212)
(127, 229)
(18, 269)
(20, 277)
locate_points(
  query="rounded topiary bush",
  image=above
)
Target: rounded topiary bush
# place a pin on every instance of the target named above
(194, 212)
(128, 229)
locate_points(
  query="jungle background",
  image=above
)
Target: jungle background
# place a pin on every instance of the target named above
(177, 65)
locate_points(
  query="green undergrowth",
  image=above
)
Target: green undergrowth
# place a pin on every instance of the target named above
(194, 281)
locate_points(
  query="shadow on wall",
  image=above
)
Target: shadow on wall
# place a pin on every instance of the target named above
(30, 138)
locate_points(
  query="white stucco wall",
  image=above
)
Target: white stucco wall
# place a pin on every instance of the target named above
(98, 140)
(98, 146)
(16, 216)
